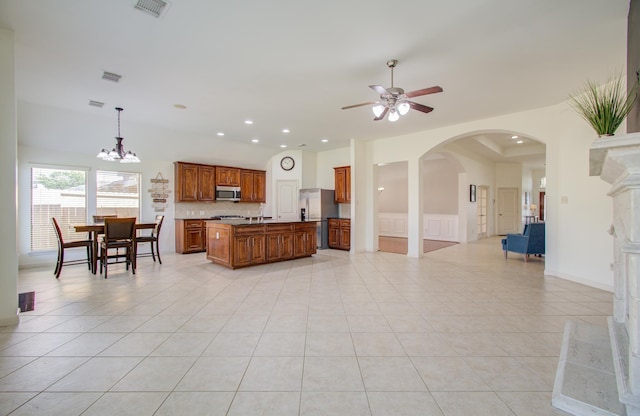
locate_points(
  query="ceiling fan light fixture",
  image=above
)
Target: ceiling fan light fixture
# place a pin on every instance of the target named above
(393, 115)
(378, 109)
(403, 108)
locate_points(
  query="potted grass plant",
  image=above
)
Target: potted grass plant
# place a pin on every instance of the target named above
(605, 106)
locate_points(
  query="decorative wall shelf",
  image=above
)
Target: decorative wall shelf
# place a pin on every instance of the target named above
(160, 191)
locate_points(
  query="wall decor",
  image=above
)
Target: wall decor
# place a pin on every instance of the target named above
(472, 193)
(159, 192)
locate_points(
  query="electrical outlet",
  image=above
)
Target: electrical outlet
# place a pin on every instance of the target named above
(564, 199)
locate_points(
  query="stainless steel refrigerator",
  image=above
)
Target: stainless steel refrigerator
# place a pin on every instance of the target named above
(319, 204)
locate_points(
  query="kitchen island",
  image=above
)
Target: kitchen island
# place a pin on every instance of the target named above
(241, 243)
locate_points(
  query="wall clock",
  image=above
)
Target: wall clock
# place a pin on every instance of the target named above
(287, 163)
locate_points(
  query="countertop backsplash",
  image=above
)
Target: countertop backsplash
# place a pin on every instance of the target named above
(210, 209)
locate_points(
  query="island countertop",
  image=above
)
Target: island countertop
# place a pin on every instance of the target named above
(254, 221)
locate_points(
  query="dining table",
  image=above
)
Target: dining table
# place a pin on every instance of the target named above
(95, 229)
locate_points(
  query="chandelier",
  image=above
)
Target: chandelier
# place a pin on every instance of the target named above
(118, 153)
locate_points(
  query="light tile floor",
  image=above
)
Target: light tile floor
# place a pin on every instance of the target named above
(461, 331)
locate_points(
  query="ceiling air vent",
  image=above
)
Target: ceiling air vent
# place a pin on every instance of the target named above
(96, 103)
(153, 7)
(110, 76)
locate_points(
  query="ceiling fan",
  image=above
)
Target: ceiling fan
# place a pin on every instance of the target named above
(394, 101)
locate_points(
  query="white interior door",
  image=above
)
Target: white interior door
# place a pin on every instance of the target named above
(508, 213)
(287, 192)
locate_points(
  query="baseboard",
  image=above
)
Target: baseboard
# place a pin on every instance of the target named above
(591, 283)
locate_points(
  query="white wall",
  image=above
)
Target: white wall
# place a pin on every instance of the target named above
(8, 156)
(569, 253)
(393, 178)
(326, 161)
(440, 187)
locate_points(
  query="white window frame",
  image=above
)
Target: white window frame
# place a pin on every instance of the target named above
(67, 233)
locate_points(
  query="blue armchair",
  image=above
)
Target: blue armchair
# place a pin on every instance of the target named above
(531, 241)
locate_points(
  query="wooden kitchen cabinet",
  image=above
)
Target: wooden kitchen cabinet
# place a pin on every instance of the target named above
(227, 176)
(249, 249)
(194, 182)
(340, 233)
(253, 185)
(240, 245)
(190, 236)
(279, 241)
(342, 176)
(305, 239)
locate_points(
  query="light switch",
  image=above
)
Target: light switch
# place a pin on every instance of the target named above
(564, 199)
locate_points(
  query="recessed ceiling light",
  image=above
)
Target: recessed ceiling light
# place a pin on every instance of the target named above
(285, 130)
(220, 133)
(325, 140)
(520, 141)
(248, 122)
(180, 106)
(514, 137)
(283, 145)
(255, 140)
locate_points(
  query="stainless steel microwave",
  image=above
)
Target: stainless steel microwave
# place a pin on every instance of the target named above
(228, 193)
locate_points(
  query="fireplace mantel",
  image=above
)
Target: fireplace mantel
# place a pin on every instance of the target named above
(617, 161)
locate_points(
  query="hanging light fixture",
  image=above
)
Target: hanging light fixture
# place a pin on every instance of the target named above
(393, 115)
(403, 108)
(118, 153)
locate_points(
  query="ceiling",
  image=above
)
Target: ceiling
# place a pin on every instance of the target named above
(293, 65)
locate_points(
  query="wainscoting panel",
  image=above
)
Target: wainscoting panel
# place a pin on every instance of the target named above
(436, 227)
(392, 225)
(441, 227)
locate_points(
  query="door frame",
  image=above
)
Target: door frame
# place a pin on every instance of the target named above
(293, 184)
(517, 215)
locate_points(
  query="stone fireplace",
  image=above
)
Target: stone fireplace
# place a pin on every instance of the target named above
(614, 354)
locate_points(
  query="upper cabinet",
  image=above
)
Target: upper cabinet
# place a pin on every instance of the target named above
(343, 184)
(226, 176)
(253, 185)
(194, 182)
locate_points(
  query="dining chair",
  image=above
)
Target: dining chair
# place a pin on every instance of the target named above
(118, 233)
(152, 239)
(64, 245)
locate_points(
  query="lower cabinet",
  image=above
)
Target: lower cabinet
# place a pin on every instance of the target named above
(248, 250)
(340, 233)
(190, 236)
(306, 240)
(244, 245)
(279, 241)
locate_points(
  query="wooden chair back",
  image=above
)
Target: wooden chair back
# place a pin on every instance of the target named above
(118, 229)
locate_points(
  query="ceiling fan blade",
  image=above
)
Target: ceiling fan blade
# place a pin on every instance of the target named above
(420, 107)
(379, 89)
(424, 91)
(381, 116)
(359, 105)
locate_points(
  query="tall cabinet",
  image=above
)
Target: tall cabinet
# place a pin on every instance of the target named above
(253, 185)
(342, 184)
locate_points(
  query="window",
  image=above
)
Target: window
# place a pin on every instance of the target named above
(60, 193)
(118, 193)
(483, 196)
